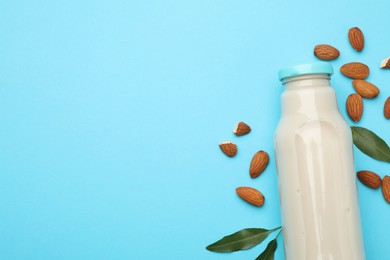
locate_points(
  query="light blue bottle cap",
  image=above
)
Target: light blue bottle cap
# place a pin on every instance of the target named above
(305, 69)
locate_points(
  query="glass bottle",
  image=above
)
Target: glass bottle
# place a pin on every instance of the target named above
(317, 179)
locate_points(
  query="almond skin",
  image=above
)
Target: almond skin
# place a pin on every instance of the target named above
(241, 129)
(354, 107)
(356, 38)
(385, 64)
(258, 164)
(228, 148)
(326, 52)
(355, 70)
(251, 196)
(365, 88)
(386, 188)
(370, 179)
(386, 108)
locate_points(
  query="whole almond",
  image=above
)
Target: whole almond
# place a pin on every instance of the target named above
(251, 196)
(365, 88)
(355, 107)
(326, 52)
(386, 108)
(355, 70)
(356, 38)
(259, 162)
(241, 129)
(385, 64)
(228, 148)
(386, 188)
(370, 179)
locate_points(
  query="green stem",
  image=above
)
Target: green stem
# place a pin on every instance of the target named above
(276, 228)
(279, 232)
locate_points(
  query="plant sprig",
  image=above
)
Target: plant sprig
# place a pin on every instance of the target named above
(246, 239)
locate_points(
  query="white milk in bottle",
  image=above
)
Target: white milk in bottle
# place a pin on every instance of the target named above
(317, 179)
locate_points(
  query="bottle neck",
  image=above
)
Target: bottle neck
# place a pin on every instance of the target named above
(305, 81)
(309, 95)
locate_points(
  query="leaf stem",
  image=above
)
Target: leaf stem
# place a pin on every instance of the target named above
(274, 229)
(279, 232)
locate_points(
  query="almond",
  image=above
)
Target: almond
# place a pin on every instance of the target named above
(259, 162)
(365, 88)
(370, 179)
(386, 109)
(326, 52)
(228, 148)
(251, 196)
(355, 107)
(241, 129)
(386, 188)
(355, 70)
(385, 64)
(356, 38)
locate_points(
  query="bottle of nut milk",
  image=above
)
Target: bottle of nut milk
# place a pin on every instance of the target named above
(317, 180)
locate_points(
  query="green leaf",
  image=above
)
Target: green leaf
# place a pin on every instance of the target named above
(241, 240)
(269, 252)
(371, 144)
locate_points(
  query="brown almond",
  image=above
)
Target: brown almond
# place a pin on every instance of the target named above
(386, 188)
(241, 129)
(355, 107)
(228, 148)
(356, 38)
(386, 108)
(355, 70)
(251, 196)
(370, 179)
(326, 52)
(258, 164)
(365, 88)
(385, 64)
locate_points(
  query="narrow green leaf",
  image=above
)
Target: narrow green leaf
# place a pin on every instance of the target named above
(269, 252)
(241, 240)
(370, 144)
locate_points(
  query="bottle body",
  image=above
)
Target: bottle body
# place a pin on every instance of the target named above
(317, 180)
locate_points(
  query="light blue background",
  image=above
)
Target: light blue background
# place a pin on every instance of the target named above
(111, 113)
